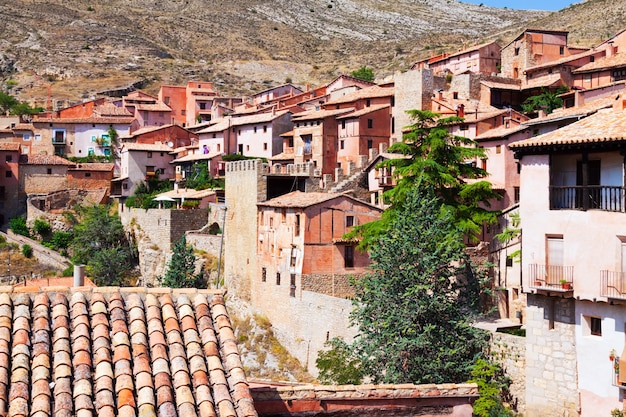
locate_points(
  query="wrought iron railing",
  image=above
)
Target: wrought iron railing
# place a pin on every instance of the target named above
(552, 277)
(613, 284)
(579, 197)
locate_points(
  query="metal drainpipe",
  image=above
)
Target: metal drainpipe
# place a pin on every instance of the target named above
(219, 260)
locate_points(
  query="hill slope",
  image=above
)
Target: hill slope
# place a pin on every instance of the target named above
(83, 47)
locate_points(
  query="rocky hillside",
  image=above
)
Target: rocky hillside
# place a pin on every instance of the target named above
(80, 48)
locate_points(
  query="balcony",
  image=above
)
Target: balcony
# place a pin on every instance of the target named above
(385, 181)
(590, 197)
(58, 140)
(613, 284)
(557, 278)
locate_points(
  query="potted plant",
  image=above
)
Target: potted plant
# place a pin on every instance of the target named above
(565, 285)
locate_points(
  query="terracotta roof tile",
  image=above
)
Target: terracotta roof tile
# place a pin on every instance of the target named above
(104, 353)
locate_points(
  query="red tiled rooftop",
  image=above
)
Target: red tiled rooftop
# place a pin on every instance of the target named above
(119, 352)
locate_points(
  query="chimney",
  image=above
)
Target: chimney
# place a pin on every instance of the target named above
(610, 50)
(579, 99)
(79, 275)
(440, 94)
(460, 111)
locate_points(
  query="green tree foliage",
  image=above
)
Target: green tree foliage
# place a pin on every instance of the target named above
(101, 244)
(27, 251)
(493, 387)
(18, 226)
(200, 179)
(442, 161)
(7, 102)
(42, 228)
(146, 192)
(414, 324)
(547, 100)
(339, 364)
(181, 268)
(363, 73)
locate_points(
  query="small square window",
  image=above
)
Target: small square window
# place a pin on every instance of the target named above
(7, 174)
(349, 221)
(264, 128)
(8, 158)
(593, 326)
(342, 144)
(149, 154)
(498, 148)
(87, 174)
(263, 274)
(265, 146)
(49, 171)
(370, 123)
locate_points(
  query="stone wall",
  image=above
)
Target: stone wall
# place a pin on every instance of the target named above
(551, 370)
(414, 90)
(333, 285)
(510, 352)
(154, 232)
(245, 187)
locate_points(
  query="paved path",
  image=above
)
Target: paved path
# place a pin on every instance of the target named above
(43, 254)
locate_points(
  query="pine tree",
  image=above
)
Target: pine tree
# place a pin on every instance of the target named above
(412, 316)
(181, 267)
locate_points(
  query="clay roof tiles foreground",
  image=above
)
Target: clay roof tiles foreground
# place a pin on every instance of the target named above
(119, 352)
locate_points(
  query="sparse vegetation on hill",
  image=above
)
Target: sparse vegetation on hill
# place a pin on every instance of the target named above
(78, 49)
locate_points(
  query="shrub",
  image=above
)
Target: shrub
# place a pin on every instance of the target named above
(18, 226)
(27, 251)
(42, 228)
(61, 240)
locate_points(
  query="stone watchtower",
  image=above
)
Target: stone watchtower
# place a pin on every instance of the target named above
(245, 187)
(413, 90)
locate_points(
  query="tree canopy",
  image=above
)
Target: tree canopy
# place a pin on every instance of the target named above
(101, 245)
(181, 268)
(547, 100)
(413, 318)
(364, 73)
(12, 105)
(444, 162)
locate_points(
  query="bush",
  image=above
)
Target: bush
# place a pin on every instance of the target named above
(18, 226)
(42, 228)
(61, 240)
(27, 251)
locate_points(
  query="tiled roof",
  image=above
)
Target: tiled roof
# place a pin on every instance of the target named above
(604, 126)
(158, 106)
(94, 166)
(517, 85)
(24, 126)
(220, 126)
(607, 62)
(86, 120)
(563, 60)
(283, 156)
(110, 109)
(298, 199)
(39, 159)
(320, 114)
(119, 352)
(256, 118)
(374, 91)
(9, 146)
(572, 112)
(364, 111)
(500, 132)
(195, 157)
(548, 81)
(148, 129)
(155, 147)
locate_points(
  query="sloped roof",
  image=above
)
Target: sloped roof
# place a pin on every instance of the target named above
(374, 91)
(110, 109)
(320, 114)
(500, 132)
(299, 199)
(257, 118)
(158, 106)
(604, 126)
(154, 147)
(219, 126)
(195, 157)
(563, 60)
(574, 112)
(94, 166)
(9, 146)
(86, 120)
(119, 352)
(549, 81)
(364, 111)
(606, 62)
(39, 159)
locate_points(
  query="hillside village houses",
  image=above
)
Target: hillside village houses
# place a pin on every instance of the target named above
(285, 214)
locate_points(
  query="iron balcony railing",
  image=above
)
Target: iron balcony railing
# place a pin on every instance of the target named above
(552, 277)
(613, 284)
(590, 197)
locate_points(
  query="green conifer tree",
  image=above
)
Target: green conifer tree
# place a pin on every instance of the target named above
(181, 267)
